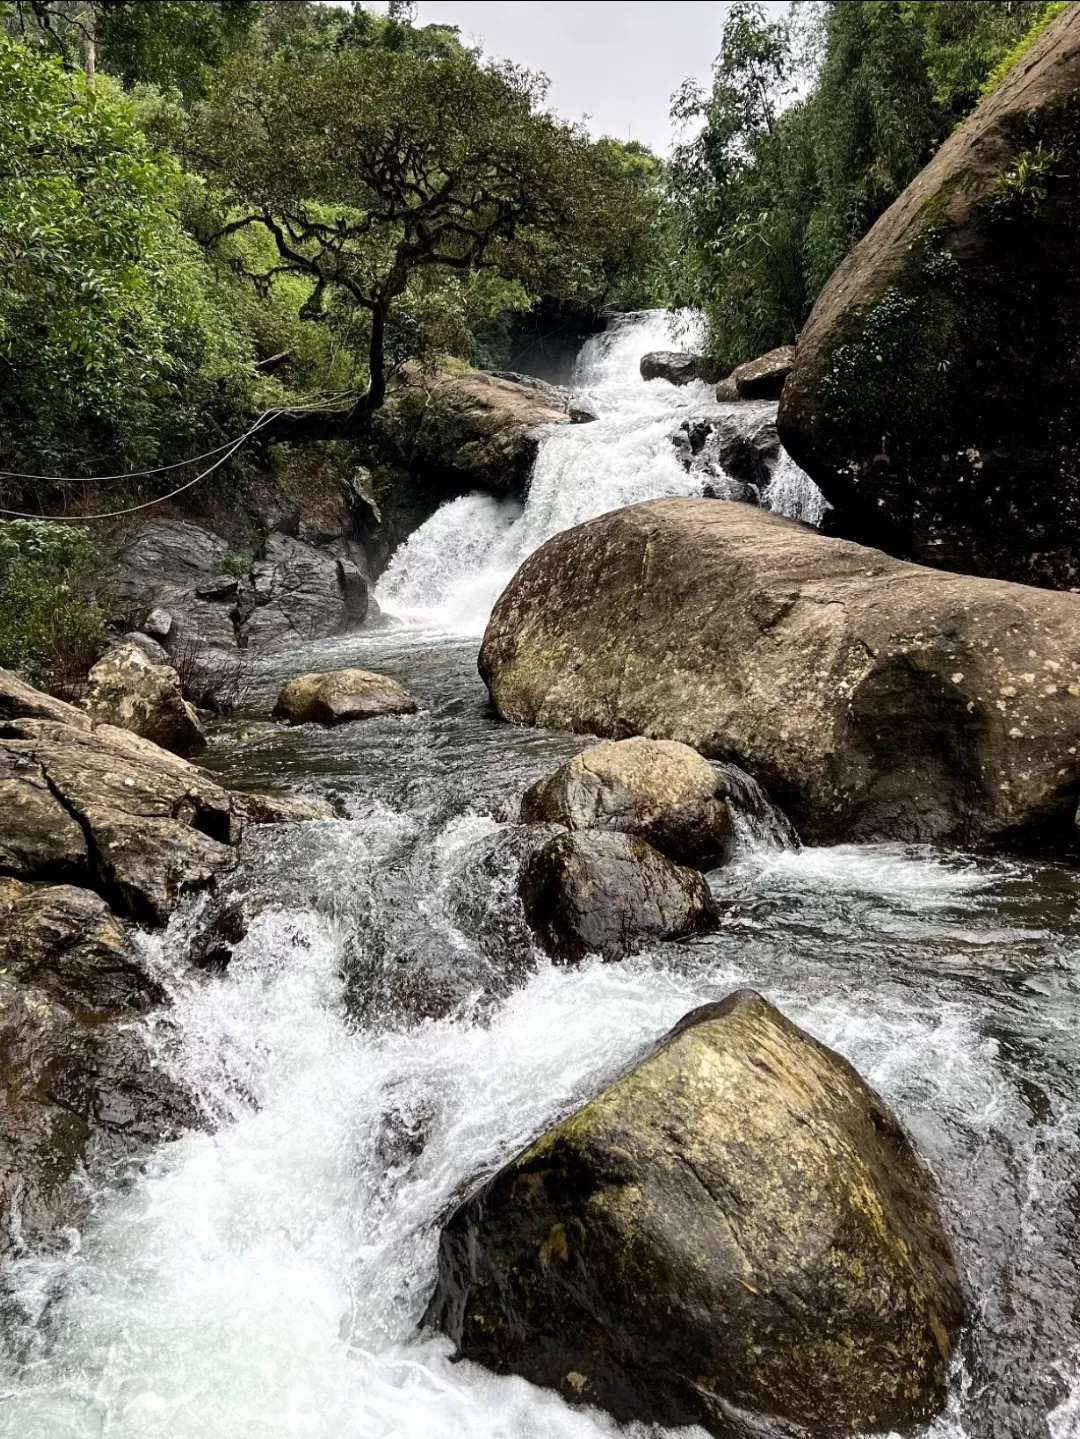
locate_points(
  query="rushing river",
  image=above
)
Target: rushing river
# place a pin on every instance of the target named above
(265, 1277)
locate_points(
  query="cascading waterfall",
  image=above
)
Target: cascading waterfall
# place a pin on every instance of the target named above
(266, 1277)
(450, 572)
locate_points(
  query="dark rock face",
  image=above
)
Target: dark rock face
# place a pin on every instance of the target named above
(78, 1084)
(607, 893)
(935, 397)
(663, 792)
(199, 607)
(128, 690)
(740, 447)
(299, 592)
(679, 367)
(735, 1234)
(873, 699)
(342, 696)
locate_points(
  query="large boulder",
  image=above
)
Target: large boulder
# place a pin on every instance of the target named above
(735, 1234)
(19, 700)
(128, 690)
(875, 699)
(935, 397)
(660, 790)
(606, 893)
(341, 696)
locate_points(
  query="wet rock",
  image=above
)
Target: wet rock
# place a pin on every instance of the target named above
(66, 943)
(21, 700)
(606, 893)
(165, 557)
(662, 791)
(935, 397)
(129, 691)
(763, 378)
(737, 1234)
(112, 812)
(218, 935)
(80, 1093)
(254, 807)
(679, 367)
(727, 392)
(341, 696)
(298, 591)
(873, 699)
(581, 414)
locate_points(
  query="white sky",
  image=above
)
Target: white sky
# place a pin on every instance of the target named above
(616, 62)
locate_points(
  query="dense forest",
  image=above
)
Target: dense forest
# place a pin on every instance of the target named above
(220, 220)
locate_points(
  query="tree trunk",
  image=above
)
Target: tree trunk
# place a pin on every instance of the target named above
(89, 41)
(376, 394)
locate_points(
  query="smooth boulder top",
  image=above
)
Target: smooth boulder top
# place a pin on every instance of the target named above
(19, 700)
(737, 1233)
(763, 378)
(873, 698)
(661, 790)
(935, 396)
(340, 696)
(129, 690)
(598, 892)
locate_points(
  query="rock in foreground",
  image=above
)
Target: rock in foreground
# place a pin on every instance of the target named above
(660, 790)
(128, 690)
(874, 699)
(609, 894)
(935, 397)
(736, 1234)
(340, 696)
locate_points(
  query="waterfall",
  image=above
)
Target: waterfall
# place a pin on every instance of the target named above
(450, 572)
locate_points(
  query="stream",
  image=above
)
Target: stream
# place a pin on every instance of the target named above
(265, 1277)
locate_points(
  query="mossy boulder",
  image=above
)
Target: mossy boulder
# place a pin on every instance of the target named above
(341, 696)
(606, 893)
(935, 397)
(128, 690)
(660, 790)
(736, 1234)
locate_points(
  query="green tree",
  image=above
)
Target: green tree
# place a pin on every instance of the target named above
(379, 170)
(789, 169)
(167, 42)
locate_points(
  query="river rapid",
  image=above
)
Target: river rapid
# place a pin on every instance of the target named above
(265, 1277)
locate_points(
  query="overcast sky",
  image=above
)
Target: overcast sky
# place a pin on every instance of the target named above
(616, 62)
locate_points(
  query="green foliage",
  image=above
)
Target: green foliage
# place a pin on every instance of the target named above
(1005, 64)
(785, 176)
(51, 625)
(1023, 188)
(111, 344)
(389, 175)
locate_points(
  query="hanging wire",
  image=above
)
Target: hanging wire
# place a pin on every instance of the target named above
(230, 449)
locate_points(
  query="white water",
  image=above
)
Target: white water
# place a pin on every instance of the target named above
(265, 1280)
(451, 571)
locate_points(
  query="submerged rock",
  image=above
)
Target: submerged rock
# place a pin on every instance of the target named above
(873, 699)
(735, 1234)
(935, 397)
(607, 893)
(660, 790)
(128, 690)
(340, 696)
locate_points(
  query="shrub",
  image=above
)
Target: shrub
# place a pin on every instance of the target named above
(52, 623)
